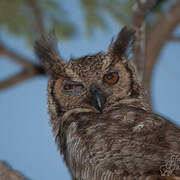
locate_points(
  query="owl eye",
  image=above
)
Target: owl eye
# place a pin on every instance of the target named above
(111, 78)
(73, 88)
(69, 86)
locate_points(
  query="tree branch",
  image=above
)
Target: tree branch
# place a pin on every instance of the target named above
(37, 16)
(14, 57)
(140, 10)
(157, 38)
(6, 173)
(30, 69)
(25, 74)
(174, 38)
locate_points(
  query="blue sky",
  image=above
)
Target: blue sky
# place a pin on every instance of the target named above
(26, 140)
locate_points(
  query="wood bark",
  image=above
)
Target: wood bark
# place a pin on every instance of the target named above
(140, 10)
(157, 38)
(7, 173)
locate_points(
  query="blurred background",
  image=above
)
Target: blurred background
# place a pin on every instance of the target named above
(82, 27)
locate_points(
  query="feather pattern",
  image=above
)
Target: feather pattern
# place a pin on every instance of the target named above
(107, 131)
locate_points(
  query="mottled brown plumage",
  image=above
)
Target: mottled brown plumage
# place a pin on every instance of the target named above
(103, 126)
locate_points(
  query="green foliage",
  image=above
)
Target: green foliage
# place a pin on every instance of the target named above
(17, 17)
(94, 10)
(11, 15)
(54, 14)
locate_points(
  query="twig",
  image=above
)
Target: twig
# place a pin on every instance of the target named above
(14, 57)
(39, 26)
(6, 173)
(29, 69)
(140, 10)
(25, 74)
(157, 38)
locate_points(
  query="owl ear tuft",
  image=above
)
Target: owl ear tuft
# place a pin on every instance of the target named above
(123, 43)
(46, 50)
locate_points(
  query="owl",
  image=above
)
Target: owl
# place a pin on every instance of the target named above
(103, 126)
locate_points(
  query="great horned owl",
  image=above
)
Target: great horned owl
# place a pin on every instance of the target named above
(102, 124)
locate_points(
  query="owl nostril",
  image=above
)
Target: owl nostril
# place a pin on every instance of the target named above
(97, 98)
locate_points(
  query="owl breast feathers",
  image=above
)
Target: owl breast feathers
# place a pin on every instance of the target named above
(102, 123)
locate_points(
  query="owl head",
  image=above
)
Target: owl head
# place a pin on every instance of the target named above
(98, 82)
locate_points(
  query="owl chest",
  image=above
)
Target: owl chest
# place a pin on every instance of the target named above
(111, 145)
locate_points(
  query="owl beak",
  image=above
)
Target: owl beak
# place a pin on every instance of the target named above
(97, 98)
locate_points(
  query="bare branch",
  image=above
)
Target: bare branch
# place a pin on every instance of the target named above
(30, 69)
(174, 38)
(14, 57)
(140, 10)
(157, 38)
(25, 74)
(6, 173)
(37, 16)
